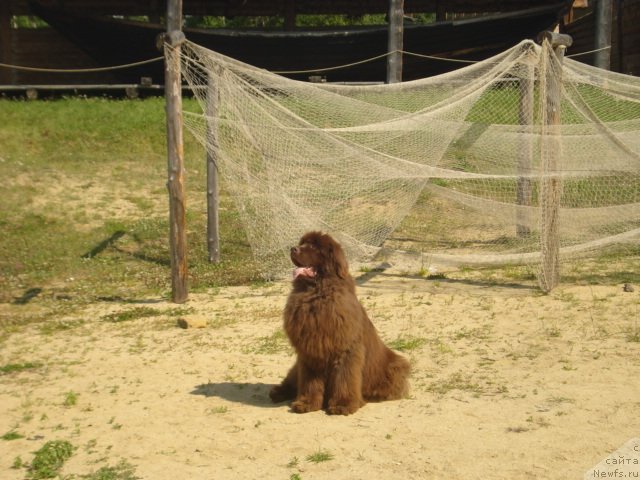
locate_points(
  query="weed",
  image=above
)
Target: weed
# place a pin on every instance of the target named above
(18, 367)
(405, 344)
(133, 314)
(11, 435)
(17, 463)
(218, 410)
(49, 459)
(456, 381)
(274, 343)
(633, 333)
(122, 471)
(70, 399)
(293, 463)
(320, 456)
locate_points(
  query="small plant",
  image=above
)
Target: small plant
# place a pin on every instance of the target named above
(133, 314)
(633, 334)
(11, 435)
(122, 471)
(320, 456)
(49, 459)
(293, 463)
(18, 367)
(405, 344)
(70, 399)
(17, 463)
(218, 410)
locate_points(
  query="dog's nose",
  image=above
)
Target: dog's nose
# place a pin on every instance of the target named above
(294, 249)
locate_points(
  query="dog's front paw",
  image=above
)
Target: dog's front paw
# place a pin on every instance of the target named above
(280, 394)
(303, 407)
(341, 409)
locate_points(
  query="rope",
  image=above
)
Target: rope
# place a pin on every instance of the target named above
(79, 70)
(589, 52)
(347, 65)
(279, 72)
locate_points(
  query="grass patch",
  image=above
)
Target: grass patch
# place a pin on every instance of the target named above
(49, 459)
(133, 314)
(320, 456)
(12, 435)
(274, 343)
(456, 381)
(406, 344)
(18, 367)
(70, 399)
(122, 471)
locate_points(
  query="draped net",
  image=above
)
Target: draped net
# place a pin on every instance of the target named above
(502, 161)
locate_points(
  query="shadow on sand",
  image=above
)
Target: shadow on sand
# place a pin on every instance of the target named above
(255, 394)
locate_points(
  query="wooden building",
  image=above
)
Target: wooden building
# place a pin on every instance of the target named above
(44, 48)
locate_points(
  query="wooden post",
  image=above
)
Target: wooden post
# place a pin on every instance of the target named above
(213, 235)
(604, 14)
(395, 43)
(551, 184)
(525, 153)
(6, 75)
(175, 153)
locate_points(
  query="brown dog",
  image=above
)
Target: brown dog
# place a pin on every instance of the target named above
(341, 362)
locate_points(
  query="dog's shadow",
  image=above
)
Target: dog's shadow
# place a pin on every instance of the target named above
(254, 394)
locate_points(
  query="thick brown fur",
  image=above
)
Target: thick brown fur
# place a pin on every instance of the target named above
(341, 362)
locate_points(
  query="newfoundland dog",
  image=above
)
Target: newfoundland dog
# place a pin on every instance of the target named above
(341, 362)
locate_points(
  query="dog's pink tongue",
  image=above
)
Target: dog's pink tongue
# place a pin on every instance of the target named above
(304, 271)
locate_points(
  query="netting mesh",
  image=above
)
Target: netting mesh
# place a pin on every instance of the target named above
(519, 158)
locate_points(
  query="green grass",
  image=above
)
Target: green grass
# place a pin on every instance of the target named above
(85, 216)
(320, 456)
(405, 344)
(12, 435)
(122, 471)
(18, 367)
(49, 459)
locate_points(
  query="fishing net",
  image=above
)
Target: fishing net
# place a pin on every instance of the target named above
(519, 158)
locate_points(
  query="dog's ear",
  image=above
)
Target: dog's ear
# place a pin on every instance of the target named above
(336, 260)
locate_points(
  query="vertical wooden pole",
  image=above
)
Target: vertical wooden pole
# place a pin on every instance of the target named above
(604, 20)
(6, 75)
(175, 153)
(525, 153)
(213, 235)
(395, 42)
(551, 184)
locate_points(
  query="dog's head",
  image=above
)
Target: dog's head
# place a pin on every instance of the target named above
(318, 255)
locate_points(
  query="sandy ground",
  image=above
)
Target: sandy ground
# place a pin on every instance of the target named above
(507, 384)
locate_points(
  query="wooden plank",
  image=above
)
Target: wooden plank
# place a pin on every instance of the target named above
(175, 155)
